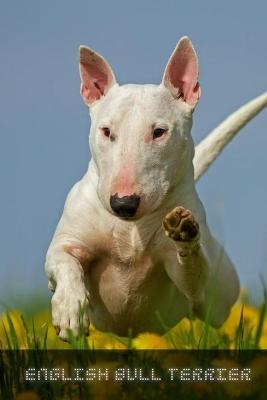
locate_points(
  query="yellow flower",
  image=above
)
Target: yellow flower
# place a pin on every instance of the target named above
(187, 334)
(250, 321)
(18, 327)
(263, 339)
(150, 341)
(102, 340)
(180, 333)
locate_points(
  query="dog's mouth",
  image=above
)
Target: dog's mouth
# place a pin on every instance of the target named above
(127, 218)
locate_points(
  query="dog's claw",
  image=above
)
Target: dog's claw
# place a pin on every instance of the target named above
(180, 225)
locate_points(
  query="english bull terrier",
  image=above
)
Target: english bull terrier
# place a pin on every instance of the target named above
(133, 242)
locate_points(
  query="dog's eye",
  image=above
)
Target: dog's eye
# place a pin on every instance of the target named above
(106, 131)
(158, 133)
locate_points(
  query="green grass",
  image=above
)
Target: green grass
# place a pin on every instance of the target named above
(22, 331)
(246, 329)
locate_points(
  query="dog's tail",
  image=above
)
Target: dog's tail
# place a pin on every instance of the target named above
(210, 147)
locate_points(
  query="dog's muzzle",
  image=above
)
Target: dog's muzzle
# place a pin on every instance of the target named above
(126, 206)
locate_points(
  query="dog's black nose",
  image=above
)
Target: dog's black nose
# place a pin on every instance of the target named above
(125, 206)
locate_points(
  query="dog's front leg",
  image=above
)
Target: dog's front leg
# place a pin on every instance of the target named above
(203, 273)
(191, 273)
(209, 283)
(66, 279)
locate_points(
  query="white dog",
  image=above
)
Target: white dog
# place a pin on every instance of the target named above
(133, 246)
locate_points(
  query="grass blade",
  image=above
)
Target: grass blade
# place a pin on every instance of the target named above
(262, 314)
(13, 334)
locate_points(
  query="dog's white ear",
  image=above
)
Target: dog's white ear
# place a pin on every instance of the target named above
(181, 73)
(96, 75)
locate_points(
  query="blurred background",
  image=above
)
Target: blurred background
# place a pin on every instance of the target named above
(44, 125)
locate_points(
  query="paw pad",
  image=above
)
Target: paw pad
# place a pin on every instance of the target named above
(180, 225)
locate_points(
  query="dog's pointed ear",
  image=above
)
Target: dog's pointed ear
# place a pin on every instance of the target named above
(96, 75)
(181, 73)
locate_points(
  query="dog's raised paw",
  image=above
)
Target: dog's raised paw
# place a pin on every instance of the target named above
(180, 225)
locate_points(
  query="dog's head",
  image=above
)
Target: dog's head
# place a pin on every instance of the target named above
(140, 137)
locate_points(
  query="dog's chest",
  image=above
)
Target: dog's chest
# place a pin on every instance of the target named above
(121, 277)
(127, 245)
(125, 266)
(124, 295)
(127, 280)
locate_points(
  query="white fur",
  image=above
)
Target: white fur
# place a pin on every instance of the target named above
(127, 273)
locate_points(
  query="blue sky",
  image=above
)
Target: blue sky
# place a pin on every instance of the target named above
(44, 124)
